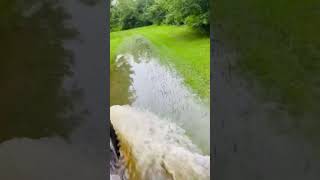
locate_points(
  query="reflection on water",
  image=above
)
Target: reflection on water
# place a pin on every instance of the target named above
(120, 72)
(159, 89)
(164, 131)
(45, 132)
(119, 84)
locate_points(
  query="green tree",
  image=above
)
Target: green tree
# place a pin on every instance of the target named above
(126, 14)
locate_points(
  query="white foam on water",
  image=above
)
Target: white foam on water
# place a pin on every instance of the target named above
(160, 89)
(155, 148)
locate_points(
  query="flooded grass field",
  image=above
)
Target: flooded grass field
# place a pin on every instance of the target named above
(181, 46)
(157, 98)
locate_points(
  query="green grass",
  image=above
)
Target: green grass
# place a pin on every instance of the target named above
(185, 48)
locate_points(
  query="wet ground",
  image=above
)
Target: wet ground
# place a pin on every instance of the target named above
(147, 83)
(154, 86)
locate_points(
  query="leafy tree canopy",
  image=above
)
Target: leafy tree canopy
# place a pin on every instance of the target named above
(127, 14)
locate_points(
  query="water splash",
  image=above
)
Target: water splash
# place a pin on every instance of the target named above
(155, 148)
(160, 89)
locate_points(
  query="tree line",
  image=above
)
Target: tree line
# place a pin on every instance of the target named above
(127, 14)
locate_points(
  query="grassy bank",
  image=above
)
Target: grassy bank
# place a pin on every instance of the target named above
(186, 49)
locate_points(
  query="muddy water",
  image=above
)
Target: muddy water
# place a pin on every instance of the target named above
(155, 149)
(156, 87)
(53, 90)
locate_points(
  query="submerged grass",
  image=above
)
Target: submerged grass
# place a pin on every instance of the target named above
(185, 48)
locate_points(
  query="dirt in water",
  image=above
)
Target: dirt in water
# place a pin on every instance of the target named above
(153, 86)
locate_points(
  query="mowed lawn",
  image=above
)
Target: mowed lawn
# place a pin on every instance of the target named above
(183, 47)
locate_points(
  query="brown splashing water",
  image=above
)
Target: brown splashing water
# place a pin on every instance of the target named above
(163, 128)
